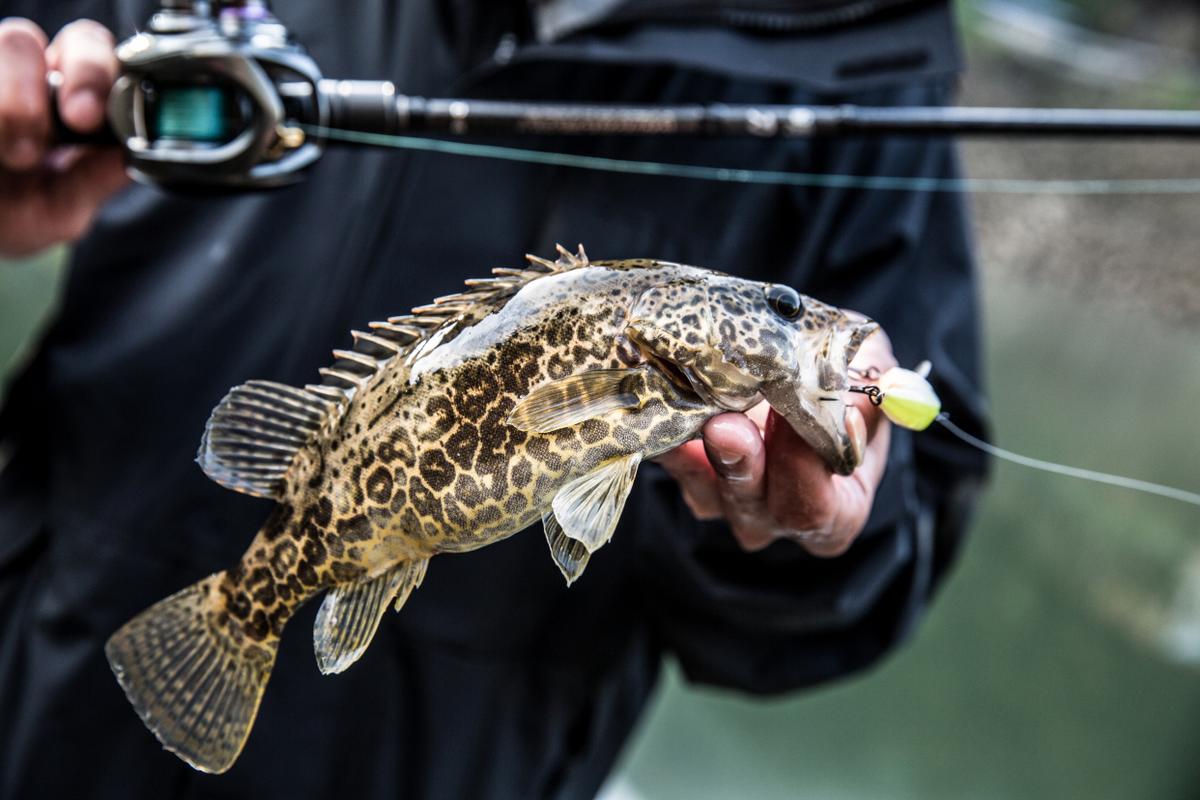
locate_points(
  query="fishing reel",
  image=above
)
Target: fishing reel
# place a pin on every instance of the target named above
(210, 96)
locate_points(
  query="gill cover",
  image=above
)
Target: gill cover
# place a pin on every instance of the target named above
(673, 322)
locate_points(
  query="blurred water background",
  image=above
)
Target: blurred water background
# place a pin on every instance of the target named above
(1062, 658)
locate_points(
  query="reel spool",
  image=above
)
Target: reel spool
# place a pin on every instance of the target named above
(198, 104)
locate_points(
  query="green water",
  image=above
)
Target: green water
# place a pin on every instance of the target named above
(28, 289)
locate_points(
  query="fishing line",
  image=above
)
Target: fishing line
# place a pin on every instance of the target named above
(1136, 485)
(1063, 186)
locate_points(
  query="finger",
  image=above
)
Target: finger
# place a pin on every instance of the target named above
(758, 415)
(83, 53)
(823, 511)
(689, 466)
(879, 438)
(800, 489)
(735, 449)
(854, 494)
(24, 113)
(876, 351)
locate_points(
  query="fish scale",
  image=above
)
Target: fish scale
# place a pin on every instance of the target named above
(533, 395)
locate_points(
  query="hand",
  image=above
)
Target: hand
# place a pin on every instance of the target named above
(50, 197)
(753, 471)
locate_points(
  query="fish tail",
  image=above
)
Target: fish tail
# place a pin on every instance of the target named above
(194, 673)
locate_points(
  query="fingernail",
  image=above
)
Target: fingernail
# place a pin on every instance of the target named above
(729, 464)
(856, 427)
(727, 458)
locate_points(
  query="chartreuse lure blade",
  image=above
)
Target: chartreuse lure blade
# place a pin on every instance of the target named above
(907, 399)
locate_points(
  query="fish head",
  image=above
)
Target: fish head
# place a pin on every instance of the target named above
(737, 342)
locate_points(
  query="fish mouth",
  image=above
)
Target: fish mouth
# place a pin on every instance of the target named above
(815, 404)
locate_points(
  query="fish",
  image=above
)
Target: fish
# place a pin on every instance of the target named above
(532, 395)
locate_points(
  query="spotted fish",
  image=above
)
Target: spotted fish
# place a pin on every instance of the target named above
(530, 396)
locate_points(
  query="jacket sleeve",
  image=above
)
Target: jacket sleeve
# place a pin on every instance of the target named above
(781, 619)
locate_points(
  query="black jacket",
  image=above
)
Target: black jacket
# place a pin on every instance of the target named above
(496, 681)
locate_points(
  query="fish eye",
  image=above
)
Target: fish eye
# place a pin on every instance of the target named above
(784, 301)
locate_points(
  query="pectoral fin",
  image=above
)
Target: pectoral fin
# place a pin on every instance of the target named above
(570, 401)
(588, 507)
(569, 554)
(350, 614)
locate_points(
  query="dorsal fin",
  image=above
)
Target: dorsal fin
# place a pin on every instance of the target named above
(444, 318)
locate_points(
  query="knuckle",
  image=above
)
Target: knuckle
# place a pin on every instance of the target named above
(822, 518)
(752, 538)
(741, 487)
(83, 71)
(739, 505)
(700, 509)
(814, 519)
(832, 547)
(821, 542)
(737, 474)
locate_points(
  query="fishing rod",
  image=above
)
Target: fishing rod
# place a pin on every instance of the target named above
(217, 94)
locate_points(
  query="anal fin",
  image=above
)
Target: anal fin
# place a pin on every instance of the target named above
(589, 507)
(350, 614)
(569, 554)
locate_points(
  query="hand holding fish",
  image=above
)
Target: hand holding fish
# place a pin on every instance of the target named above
(48, 197)
(755, 472)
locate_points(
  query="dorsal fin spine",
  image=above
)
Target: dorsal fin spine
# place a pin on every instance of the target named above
(364, 339)
(369, 363)
(348, 379)
(399, 336)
